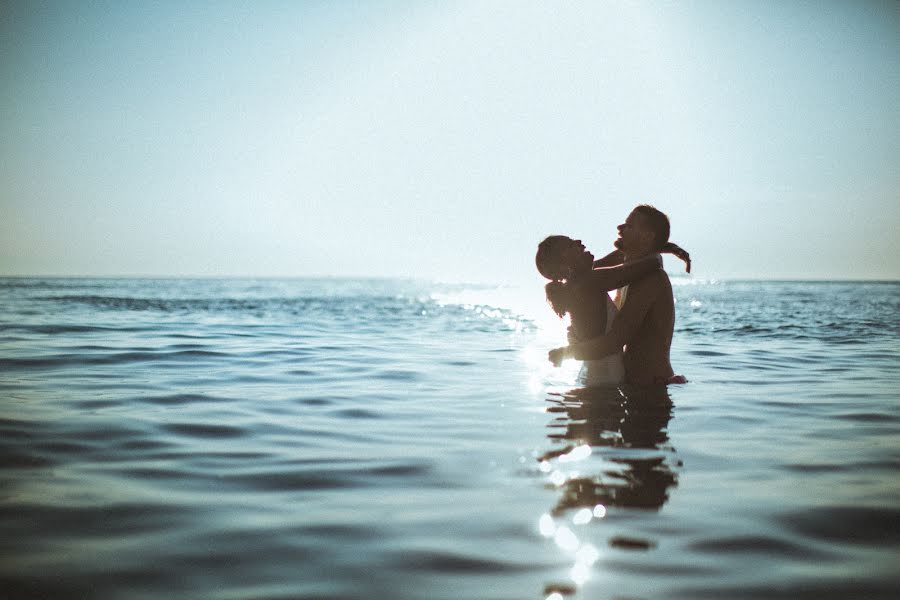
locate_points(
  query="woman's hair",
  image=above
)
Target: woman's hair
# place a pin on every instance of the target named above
(548, 264)
(558, 296)
(547, 258)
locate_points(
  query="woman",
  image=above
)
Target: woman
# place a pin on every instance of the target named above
(579, 287)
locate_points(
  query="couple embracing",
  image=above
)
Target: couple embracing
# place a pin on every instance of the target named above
(625, 340)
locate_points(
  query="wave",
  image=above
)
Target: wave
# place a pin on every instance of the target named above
(112, 358)
(62, 329)
(210, 304)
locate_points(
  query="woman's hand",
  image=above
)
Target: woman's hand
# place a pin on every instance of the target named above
(557, 355)
(678, 252)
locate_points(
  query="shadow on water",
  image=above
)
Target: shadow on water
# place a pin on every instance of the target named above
(611, 455)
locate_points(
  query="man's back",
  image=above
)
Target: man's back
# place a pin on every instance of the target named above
(647, 350)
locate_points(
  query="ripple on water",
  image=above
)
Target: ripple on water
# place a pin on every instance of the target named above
(179, 399)
(61, 360)
(867, 417)
(303, 372)
(93, 520)
(292, 481)
(837, 587)
(315, 401)
(203, 430)
(454, 563)
(299, 479)
(398, 375)
(356, 413)
(17, 459)
(96, 404)
(758, 544)
(707, 353)
(144, 444)
(19, 429)
(856, 525)
(681, 567)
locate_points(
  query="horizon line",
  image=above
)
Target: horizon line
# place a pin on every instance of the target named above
(677, 276)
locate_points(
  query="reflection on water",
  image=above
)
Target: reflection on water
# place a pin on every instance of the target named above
(611, 451)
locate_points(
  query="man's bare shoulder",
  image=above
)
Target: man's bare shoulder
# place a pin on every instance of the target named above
(651, 284)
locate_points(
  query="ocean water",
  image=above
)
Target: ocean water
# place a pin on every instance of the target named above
(328, 439)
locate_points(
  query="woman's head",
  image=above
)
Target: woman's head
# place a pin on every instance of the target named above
(559, 257)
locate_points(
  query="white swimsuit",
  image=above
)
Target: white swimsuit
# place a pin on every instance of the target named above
(609, 370)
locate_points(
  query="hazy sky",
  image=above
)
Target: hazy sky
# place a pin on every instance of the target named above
(445, 139)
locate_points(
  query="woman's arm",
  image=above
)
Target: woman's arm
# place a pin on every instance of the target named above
(678, 252)
(616, 257)
(624, 327)
(611, 278)
(592, 349)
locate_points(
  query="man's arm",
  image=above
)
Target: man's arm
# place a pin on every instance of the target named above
(640, 300)
(611, 278)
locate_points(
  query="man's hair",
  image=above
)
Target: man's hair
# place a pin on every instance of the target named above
(657, 222)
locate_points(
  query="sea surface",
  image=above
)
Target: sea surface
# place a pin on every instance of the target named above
(379, 439)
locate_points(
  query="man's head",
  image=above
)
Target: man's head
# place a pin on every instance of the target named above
(645, 230)
(560, 257)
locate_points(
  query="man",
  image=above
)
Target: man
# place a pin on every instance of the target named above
(646, 320)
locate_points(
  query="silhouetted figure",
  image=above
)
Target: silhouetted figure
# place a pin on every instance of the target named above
(579, 288)
(646, 317)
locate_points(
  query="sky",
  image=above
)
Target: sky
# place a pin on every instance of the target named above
(444, 140)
